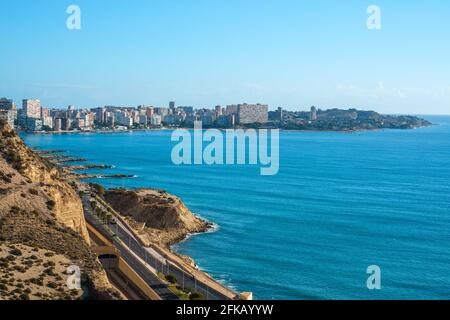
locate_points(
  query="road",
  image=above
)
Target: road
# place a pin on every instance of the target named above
(121, 282)
(140, 268)
(153, 259)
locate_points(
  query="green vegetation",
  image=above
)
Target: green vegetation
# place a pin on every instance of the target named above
(51, 204)
(6, 177)
(183, 294)
(14, 159)
(179, 292)
(14, 210)
(98, 188)
(15, 252)
(47, 128)
(109, 217)
(196, 296)
(171, 279)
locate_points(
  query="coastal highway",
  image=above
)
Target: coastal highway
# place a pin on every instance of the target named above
(152, 258)
(162, 265)
(140, 268)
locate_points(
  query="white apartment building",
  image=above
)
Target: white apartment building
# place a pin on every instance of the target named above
(31, 108)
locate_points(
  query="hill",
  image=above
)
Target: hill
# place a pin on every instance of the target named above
(42, 229)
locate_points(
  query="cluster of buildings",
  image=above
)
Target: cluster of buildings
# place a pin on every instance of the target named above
(34, 117)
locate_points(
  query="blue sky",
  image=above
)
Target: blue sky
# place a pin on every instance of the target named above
(288, 53)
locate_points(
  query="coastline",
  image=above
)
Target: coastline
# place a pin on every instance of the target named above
(166, 250)
(176, 259)
(99, 131)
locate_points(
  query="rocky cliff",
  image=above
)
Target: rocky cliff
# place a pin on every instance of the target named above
(41, 182)
(41, 211)
(165, 217)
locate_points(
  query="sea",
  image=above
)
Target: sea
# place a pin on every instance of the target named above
(340, 203)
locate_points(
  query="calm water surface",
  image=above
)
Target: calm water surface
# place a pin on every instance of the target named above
(340, 203)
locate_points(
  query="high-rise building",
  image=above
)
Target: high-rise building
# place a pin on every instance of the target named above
(207, 119)
(31, 108)
(172, 105)
(47, 121)
(189, 120)
(232, 109)
(110, 119)
(218, 111)
(34, 124)
(45, 112)
(7, 104)
(68, 124)
(123, 118)
(143, 120)
(100, 115)
(253, 113)
(156, 120)
(57, 126)
(149, 112)
(162, 111)
(313, 116)
(89, 118)
(280, 113)
(225, 121)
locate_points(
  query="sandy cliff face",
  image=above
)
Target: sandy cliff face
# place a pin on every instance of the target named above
(40, 210)
(163, 216)
(43, 177)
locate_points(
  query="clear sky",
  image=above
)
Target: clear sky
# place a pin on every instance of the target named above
(288, 53)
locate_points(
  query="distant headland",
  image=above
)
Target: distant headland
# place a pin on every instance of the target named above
(344, 120)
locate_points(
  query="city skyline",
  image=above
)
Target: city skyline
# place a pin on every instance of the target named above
(19, 105)
(34, 117)
(289, 54)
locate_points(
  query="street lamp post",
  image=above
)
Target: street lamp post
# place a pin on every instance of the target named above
(183, 280)
(195, 284)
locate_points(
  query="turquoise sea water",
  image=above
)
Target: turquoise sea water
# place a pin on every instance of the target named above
(340, 203)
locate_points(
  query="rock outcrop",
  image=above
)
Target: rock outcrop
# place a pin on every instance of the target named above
(162, 215)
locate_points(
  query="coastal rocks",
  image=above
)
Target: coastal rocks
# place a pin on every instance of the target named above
(88, 166)
(162, 215)
(84, 176)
